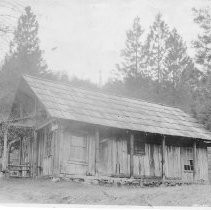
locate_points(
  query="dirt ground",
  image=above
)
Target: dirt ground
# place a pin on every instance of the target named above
(42, 191)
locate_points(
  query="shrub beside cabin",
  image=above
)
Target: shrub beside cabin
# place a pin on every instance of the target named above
(80, 132)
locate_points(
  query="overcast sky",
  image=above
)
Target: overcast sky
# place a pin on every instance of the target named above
(83, 37)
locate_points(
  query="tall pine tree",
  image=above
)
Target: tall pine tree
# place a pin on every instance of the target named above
(156, 49)
(176, 60)
(24, 57)
(202, 97)
(132, 55)
(133, 67)
(24, 48)
(203, 44)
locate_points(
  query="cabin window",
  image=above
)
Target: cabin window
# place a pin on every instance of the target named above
(139, 147)
(78, 148)
(188, 159)
(189, 166)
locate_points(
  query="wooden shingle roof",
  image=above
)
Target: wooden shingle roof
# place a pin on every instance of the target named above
(66, 102)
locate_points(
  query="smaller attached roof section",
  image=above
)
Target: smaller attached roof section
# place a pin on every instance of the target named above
(67, 102)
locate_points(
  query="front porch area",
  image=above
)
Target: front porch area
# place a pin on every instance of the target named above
(18, 136)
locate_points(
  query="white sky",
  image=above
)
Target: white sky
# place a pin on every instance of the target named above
(87, 35)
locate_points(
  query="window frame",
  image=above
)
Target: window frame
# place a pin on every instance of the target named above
(189, 167)
(141, 140)
(188, 160)
(139, 146)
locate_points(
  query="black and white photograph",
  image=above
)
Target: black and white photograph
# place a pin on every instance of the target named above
(105, 103)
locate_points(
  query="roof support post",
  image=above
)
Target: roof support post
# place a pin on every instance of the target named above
(5, 151)
(35, 142)
(31, 156)
(194, 161)
(163, 158)
(35, 154)
(131, 154)
(97, 148)
(21, 150)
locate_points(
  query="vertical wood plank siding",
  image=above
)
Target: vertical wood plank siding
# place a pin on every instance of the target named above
(97, 148)
(114, 158)
(202, 164)
(150, 164)
(209, 162)
(173, 165)
(91, 155)
(45, 155)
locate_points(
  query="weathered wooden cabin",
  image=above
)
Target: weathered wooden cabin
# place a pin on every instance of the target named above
(81, 132)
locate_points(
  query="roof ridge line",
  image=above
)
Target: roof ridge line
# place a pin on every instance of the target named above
(101, 92)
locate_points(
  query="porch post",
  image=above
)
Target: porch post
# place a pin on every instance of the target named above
(35, 155)
(31, 156)
(5, 158)
(97, 147)
(194, 161)
(164, 158)
(20, 155)
(131, 154)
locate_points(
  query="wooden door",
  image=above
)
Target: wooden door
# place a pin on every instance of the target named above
(121, 158)
(114, 159)
(78, 149)
(75, 159)
(107, 164)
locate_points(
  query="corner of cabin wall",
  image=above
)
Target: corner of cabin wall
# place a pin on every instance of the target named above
(61, 143)
(202, 172)
(209, 163)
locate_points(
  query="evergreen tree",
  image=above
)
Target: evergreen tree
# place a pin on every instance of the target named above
(164, 56)
(25, 46)
(201, 107)
(24, 57)
(202, 96)
(156, 49)
(176, 60)
(203, 44)
(133, 64)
